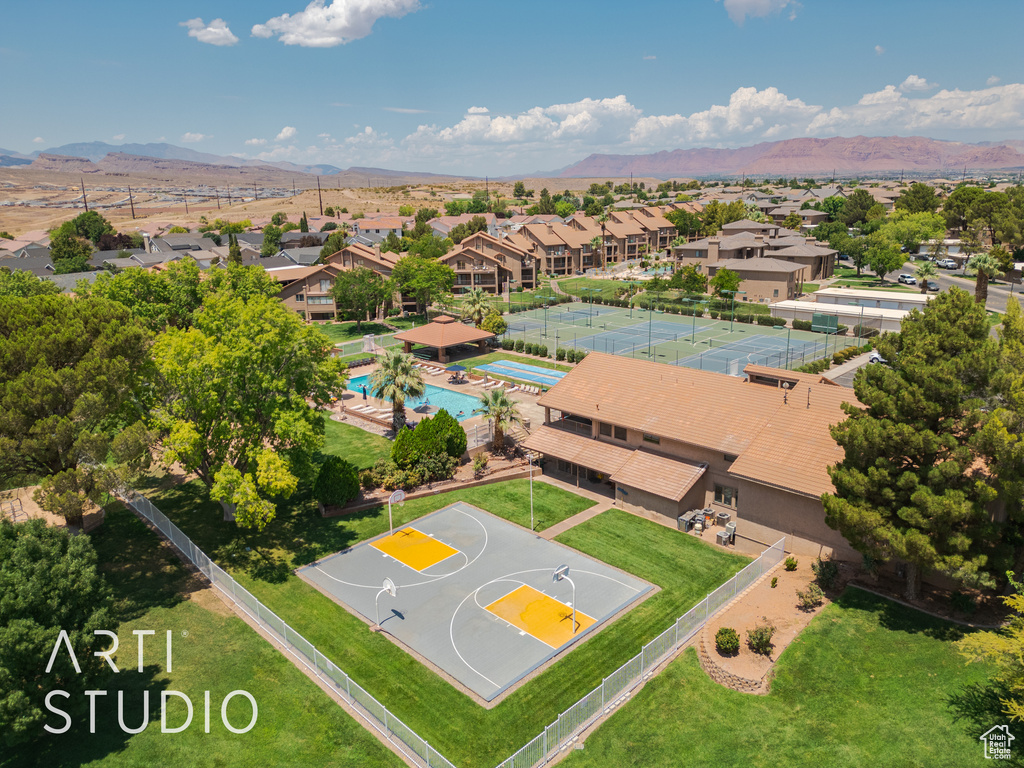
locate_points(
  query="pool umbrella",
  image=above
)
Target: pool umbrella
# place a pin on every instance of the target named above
(455, 368)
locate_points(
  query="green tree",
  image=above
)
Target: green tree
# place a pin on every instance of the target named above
(244, 283)
(494, 322)
(564, 209)
(50, 582)
(686, 223)
(909, 487)
(456, 207)
(431, 246)
(855, 209)
(424, 279)
(234, 251)
(833, 206)
(883, 256)
(911, 229)
(237, 413)
(279, 218)
(66, 245)
(475, 306)
(271, 240)
(73, 379)
(689, 279)
(919, 198)
(360, 292)
(304, 223)
(712, 218)
(519, 190)
(396, 380)
(90, 225)
(987, 268)
(337, 482)
(335, 242)
(793, 221)
(545, 205)
(956, 209)
(924, 272)
(461, 231)
(24, 284)
(501, 411)
(724, 281)
(155, 299)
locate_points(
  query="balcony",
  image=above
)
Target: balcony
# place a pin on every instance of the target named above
(568, 422)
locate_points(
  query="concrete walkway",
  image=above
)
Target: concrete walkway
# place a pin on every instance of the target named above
(603, 503)
(843, 374)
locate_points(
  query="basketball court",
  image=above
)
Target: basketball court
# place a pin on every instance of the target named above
(476, 595)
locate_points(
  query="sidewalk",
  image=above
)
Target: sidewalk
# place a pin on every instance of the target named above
(603, 503)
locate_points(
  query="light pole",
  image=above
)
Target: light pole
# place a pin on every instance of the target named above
(562, 572)
(650, 328)
(860, 328)
(530, 457)
(693, 325)
(547, 300)
(398, 497)
(510, 281)
(591, 291)
(732, 314)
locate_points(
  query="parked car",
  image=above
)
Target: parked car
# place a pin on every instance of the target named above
(874, 357)
(908, 279)
(946, 263)
(933, 286)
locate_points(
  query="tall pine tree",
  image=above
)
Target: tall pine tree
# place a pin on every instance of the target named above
(911, 487)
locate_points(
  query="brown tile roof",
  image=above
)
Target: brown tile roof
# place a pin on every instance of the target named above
(779, 439)
(597, 455)
(757, 265)
(669, 478)
(444, 331)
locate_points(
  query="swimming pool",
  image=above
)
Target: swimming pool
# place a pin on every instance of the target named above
(453, 402)
(516, 370)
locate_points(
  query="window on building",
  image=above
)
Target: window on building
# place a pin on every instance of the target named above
(776, 293)
(300, 297)
(651, 438)
(620, 433)
(606, 429)
(325, 286)
(726, 495)
(320, 300)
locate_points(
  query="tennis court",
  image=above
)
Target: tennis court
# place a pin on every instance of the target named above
(475, 594)
(732, 357)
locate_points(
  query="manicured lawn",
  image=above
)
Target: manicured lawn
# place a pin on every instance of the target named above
(575, 286)
(340, 333)
(869, 682)
(297, 724)
(355, 445)
(463, 731)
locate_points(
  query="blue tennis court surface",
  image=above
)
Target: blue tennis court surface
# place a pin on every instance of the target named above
(733, 357)
(518, 370)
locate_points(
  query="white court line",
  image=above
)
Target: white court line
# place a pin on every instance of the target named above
(430, 580)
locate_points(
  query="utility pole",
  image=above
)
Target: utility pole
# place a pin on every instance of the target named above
(185, 198)
(255, 192)
(229, 197)
(84, 200)
(130, 201)
(320, 195)
(217, 195)
(964, 178)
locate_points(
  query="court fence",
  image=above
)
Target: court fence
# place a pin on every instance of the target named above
(541, 748)
(405, 740)
(626, 678)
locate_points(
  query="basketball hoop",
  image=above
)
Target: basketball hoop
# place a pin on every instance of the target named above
(389, 587)
(562, 573)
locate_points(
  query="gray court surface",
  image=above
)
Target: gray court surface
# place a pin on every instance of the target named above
(440, 612)
(733, 357)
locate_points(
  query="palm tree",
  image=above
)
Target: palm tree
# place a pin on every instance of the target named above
(395, 380)
(924, 273)
(595, 248)
(475, 306)
(497, 407)
(603, 221)
(987, 268)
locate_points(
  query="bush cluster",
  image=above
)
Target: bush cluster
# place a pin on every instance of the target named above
(811, 598)
(337, 483)
(428, 453)
(825, 572)
(570, 354)
(759, 639)
(791, 563)
(727, 640)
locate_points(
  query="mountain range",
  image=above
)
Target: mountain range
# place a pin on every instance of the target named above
(798, 157)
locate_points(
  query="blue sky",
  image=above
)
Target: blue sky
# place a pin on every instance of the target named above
(466, 86)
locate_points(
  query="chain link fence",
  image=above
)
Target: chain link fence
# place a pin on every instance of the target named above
(627, 677)
(405, 740)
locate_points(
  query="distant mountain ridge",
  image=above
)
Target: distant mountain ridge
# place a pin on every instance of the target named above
(859, 154)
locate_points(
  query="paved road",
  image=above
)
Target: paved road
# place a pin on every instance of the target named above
(997, 294)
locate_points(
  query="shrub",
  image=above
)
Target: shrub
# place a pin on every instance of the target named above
(961, 602)
(791, 563)
(580, 354)
(759, 639)
(570, 355)
(775, 581)
(769, 321)
(366, 480)
(810, 599)
(337, 483)
(727, 640)
(520, 345)
(528, 347)
(407, 448)
(508, 344)
(330, 226)
(479, 464)
(436, 465)
(715, 314)
(825, 572)
(560, 353)
(801, 325)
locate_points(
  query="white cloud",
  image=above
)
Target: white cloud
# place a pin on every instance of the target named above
(405, 110)
(286, 133)
(255, 142)
(119, 137)
(650, 58)
(477, 111)
(992, 80)
(214, 33)
(193, 138)
(342, 21)
(739, 10)
(38, 140)
(915, 83)
(879, 50)
(324, 136)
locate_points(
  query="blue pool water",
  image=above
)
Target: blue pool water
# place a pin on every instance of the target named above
(523, 371)
(453, 402)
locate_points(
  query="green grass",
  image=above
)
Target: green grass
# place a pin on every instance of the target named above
(463, 731)
(575, 286)
(355, 445)
(869, 682)
(341, 333)
(811, 287)
(297, 724)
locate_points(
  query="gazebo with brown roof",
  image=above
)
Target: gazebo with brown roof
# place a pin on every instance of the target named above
(442, 333)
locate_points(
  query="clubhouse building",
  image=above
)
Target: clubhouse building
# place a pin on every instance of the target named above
(669, 440)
